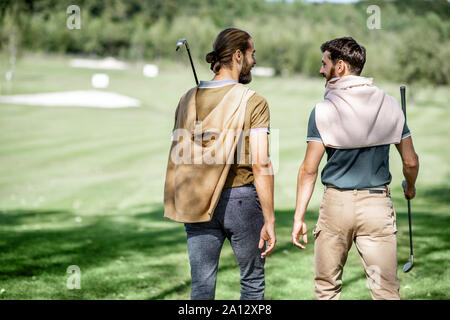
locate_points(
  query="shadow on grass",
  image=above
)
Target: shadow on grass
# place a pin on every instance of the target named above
(431, 241)
(27, 253)
(18, 217)
(437, 195)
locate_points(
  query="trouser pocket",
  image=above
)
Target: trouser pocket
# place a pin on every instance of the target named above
(377, 217)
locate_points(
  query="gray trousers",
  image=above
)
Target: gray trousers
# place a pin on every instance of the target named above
(237, 217)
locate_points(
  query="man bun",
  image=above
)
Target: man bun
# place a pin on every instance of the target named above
(211, 56)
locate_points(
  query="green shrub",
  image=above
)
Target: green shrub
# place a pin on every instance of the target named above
(411, 46)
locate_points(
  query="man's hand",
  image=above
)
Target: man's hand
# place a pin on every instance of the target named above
(409, 191)
(299, 228)
(267, 234)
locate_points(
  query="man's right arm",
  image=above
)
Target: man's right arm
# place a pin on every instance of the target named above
(306, 180)
(264, 184)
(410, 161)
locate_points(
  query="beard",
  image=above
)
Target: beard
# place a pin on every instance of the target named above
(331, 75)
(245, 76)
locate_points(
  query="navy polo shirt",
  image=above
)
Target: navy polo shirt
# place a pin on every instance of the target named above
(354, 168)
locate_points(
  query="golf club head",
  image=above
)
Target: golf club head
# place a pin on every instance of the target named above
(409, 265)
(180, 43)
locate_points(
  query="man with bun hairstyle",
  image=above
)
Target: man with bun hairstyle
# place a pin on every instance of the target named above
(355, 124)
(219, 178)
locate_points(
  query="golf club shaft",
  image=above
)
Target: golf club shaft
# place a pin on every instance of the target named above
(410, 227)
(403, 97)
(192, 63)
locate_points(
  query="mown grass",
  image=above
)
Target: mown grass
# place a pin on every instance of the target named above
(84, 186)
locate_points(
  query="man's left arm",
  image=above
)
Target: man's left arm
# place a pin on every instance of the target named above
(307, 176)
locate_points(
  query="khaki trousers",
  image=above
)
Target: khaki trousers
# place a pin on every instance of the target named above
(369, 220)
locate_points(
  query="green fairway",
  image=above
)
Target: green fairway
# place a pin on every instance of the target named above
(84, 186)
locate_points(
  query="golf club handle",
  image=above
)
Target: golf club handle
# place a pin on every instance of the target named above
(410, 226)
(403, 98)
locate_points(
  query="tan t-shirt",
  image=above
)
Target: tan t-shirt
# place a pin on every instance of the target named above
(257, 115)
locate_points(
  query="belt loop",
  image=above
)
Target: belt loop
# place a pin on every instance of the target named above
(388, 191)
(355, 192)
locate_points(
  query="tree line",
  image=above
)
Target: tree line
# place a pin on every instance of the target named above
(412, 44)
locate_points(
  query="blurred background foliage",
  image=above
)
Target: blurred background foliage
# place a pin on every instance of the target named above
(413, 44)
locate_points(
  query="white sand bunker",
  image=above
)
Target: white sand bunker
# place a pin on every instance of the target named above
(87, 98)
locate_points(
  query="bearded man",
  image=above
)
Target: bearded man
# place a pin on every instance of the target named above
(211, 184)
